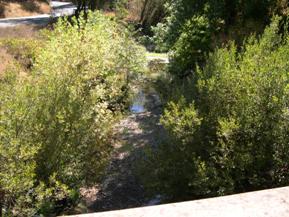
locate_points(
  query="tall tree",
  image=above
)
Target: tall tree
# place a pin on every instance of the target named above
(152, 12)
(85, 5)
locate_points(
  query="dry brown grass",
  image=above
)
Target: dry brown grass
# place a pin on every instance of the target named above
(23, 8)
(5, 60)
(9, 57)
(23, 31)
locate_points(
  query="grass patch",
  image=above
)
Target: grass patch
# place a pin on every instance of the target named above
(20, 52)
(20, 32)
(18, 46)
(6, 60)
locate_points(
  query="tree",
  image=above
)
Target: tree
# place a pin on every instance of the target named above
(85, 5)
(151, 13)
(56, 122)
(227, 124)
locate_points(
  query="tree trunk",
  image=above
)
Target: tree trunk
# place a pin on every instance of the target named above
(143, 12)
(93, 5)
(1, 202)
(78, 9)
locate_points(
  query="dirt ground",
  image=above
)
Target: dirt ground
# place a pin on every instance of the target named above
(23, 8)
(120, 188)
(23, 31)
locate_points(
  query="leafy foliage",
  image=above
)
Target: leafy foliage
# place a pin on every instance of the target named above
(225, 20)
(55, 124)
(24, 51)
(229, 132)
(191, 46)
(120, 7)
(227, 11)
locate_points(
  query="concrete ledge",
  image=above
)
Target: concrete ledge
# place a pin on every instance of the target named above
(267, 203)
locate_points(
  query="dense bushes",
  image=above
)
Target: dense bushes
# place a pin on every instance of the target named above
(191, 46)
(22, 50)
(228, 12)
(55, 124)
(229, 132)
(225, 20)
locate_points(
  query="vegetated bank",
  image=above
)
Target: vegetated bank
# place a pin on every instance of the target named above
(56, 120)
(226, 113)
(227, 101)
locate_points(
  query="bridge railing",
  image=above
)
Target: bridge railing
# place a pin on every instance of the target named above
(267, 203)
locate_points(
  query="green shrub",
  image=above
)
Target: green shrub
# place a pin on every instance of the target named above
(231, 134)
(159, 33)
(23, 50)
(178, 12)
(120, 7)
(55, 124)
(191, 46)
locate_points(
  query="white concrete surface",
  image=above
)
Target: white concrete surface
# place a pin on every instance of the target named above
(267, 203)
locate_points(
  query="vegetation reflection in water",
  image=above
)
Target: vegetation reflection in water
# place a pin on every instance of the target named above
(138, 103)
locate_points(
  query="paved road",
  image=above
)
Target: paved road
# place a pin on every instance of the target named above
(58, 9)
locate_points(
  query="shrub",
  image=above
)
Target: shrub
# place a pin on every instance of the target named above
(231, 134)
(55, 124)
(159, 33)
(178, 12)
(191, 46)
(121, 8)
(23, 50)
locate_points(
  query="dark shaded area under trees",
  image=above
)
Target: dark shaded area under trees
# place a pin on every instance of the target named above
(226, 97)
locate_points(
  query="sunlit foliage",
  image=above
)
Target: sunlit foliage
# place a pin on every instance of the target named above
(55, 123)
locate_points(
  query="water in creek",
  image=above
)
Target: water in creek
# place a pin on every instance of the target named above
(138, 103)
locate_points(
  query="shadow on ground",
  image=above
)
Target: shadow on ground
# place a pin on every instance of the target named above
(120, 189)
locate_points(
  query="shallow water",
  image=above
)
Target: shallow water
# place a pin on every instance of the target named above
(138, 103)
(155, 201)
